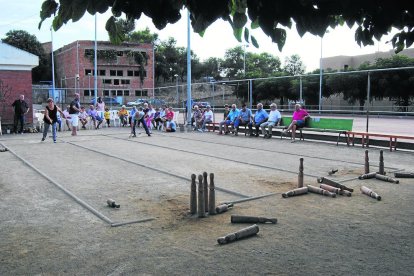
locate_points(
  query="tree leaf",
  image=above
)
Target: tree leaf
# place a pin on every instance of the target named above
(239, 20)
(246, 34)
(254, 42)
(255, 24)
(238, 34)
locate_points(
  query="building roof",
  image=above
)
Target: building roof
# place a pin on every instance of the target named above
(338, 62)
(12, 58)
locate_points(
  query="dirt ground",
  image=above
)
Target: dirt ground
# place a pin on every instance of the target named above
(46, 232)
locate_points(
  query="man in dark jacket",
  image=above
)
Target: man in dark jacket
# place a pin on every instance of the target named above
(20, 109)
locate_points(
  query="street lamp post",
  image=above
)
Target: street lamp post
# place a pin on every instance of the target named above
(176, 85)
(89, 86)
(244, 59)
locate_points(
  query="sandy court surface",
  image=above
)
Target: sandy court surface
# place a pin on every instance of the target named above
(46, 232)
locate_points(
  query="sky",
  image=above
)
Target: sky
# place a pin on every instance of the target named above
(24, 15)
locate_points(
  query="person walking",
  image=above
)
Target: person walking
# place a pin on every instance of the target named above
(74, 109)
(51, 118)
(21, 108)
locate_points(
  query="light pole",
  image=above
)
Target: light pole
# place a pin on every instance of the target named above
(320, 79)
(244, 59)
(89, 86)
(53, 64)
(176, 85)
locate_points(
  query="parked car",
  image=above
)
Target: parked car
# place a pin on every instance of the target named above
(208, 79)
(107, 101)
(201, 104)
(156, 102)
(137, 102)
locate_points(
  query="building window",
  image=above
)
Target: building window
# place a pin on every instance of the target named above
(89, 52)
(86, 93)
(119, 53)
(102, 72)
(106, 93)
(126, 92)
(88, 71)
(125, 82)
(116, 81)
(112, 72)
(119, 92)
(141, 93)
(119, 73)
(107, 81)
(113, 92)
(130, 73)
(136, 73)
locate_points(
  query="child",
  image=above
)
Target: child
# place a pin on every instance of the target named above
(107, 116)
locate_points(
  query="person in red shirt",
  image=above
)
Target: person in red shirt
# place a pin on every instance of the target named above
(298, 120)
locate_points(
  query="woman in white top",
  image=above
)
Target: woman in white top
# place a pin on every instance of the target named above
(100, 107)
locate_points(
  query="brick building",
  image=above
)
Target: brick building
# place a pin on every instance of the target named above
(119, 74)
(15, 78)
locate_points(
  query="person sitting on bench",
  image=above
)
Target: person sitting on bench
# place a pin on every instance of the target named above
(273, 120)
(298, 120)
(244, 118)
(259, 118)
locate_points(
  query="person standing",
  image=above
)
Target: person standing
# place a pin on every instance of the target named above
(21, 108)
(100, 107)
(74, 109)
(50, 118)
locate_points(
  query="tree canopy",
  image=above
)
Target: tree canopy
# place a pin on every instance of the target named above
(29, 43)
(373, 18)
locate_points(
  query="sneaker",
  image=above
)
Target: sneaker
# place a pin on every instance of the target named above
(293, 141)
(236, 133)
(54, 141)
(200, 130)
(43, 139)
(134, 135)
(269, 136)
(265, 136)
(149, 135)
(257, 134)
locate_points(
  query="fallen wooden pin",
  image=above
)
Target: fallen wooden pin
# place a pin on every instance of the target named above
(370, 193)
(387, 178)
(403, 175)
(335, 190)
(316, 190)
(111, 203)
(223, 207)
(251, 219)
(332, 183)
(243, 233)
(367, 175)
(332, 171)
(295, 192)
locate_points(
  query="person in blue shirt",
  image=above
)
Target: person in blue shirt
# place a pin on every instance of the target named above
(229, 120)
(243, 119)
(259, 118)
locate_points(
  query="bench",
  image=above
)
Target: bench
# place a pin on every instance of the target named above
(365, 138)
(315, 124)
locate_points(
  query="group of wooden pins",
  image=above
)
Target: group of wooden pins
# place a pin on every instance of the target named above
(332, 188)
(203, 201)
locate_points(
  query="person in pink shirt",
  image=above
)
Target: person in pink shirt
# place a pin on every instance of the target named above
(298, 120)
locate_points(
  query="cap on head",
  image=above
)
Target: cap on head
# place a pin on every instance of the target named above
(49, 100)
(123, 106)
